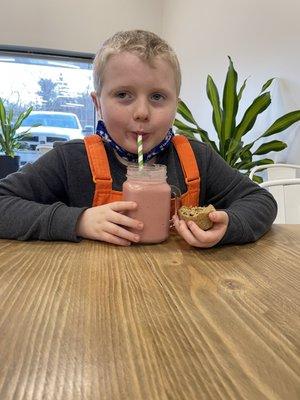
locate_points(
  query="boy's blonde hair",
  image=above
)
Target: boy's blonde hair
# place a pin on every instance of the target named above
(146, 45)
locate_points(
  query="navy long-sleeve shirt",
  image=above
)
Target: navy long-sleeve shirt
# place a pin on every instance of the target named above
(45, 199)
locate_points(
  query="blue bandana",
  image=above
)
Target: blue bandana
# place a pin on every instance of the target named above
(131, 157)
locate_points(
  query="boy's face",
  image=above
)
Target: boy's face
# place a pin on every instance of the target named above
(137, 98)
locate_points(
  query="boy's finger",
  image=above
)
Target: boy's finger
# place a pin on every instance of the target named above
(183, 230)
(108, 237)
(123, 220)
(175, 218)
(123, 205)
(121, 233)
(206, 237)
(196, 236)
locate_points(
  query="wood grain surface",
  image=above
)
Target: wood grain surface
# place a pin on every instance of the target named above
(97, 321)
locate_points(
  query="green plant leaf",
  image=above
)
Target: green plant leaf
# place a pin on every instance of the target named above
(232, 157)
(282, 123)
(7, 132)
(243, 154)
(182, 126)
(248, 146)
(10, 116)
(260, 104)
(226, 145)
(246, 156)
(2, 144)
(230, 105)
(257, 179)
(23, 134)
(9, 138)
(213, 95)
(188, 134)
(2, 111)
(21, 118)
(184, 111)
(205, 138)
(2, 115)
(274, 145)
(240, 154)
(250, 165)
(238, 146)
(266, 85)
(242, 89)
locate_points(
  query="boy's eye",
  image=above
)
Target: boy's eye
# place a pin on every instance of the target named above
(123, 95)
(157, 96)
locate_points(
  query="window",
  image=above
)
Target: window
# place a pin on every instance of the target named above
(57, 86)
(58, 120)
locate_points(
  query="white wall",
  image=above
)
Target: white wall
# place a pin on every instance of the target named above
(78, 25)
(261, 36)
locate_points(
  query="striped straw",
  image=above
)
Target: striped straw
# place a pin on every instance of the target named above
(140, 151)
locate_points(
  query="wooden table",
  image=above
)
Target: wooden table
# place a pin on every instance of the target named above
(97, 321)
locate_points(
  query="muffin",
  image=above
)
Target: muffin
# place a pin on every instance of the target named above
(197, 214)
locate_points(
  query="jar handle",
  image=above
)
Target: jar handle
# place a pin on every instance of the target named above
(175, 194)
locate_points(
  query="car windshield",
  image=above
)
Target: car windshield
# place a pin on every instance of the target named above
(55, 120)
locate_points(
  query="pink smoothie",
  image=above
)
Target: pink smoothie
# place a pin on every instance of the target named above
(153, 200)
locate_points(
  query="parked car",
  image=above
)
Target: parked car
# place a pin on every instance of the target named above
(88, 130)
(54, 127)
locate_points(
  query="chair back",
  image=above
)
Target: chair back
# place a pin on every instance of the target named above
(285, 187)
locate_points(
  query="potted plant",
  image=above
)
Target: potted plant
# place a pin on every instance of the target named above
(231, 145)
(10, 139)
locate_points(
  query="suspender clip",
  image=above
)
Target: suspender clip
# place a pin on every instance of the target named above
(105, 180)
(192, 180)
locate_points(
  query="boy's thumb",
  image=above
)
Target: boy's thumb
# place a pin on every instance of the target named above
(218, 216)
(213, 216)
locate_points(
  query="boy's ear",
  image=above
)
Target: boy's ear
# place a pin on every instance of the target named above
(96, 102)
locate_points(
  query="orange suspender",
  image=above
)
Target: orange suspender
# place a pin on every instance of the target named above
(100, 169)
(190, 170)
(103, 182)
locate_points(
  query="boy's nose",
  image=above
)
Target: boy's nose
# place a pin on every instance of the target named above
(141, 111)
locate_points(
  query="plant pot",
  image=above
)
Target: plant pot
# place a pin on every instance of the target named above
(8, 165)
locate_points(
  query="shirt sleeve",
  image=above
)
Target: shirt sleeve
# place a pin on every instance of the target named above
(251, 209)
(34, 202)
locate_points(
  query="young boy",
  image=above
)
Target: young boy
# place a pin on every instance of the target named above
(67, 194)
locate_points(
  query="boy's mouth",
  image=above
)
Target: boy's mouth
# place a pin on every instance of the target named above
(143, 134)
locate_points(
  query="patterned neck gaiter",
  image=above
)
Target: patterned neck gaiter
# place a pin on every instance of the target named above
(126, 155)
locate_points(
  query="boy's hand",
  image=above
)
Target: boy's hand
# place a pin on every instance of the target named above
(197, 237)
(107, 223)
